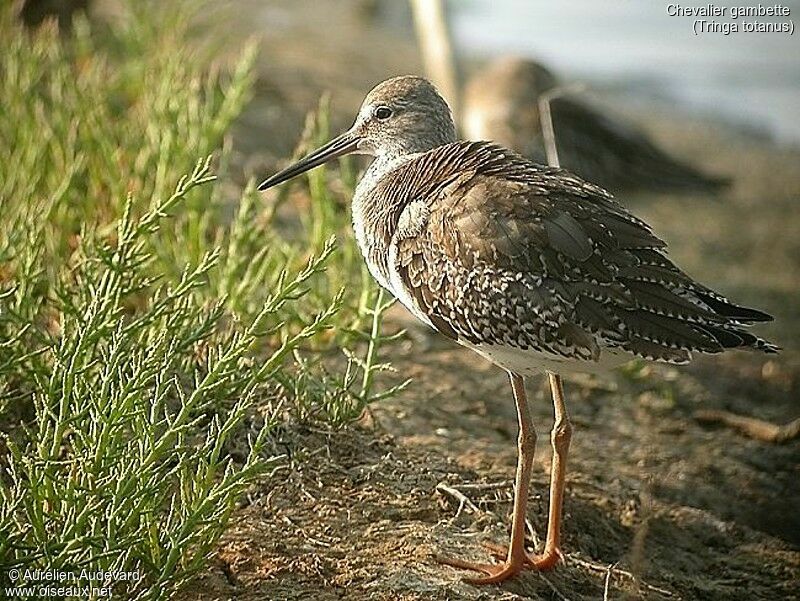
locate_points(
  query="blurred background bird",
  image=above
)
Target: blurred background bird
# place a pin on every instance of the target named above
(502, 103)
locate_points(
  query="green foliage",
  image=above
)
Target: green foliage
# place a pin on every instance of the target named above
(153, 335)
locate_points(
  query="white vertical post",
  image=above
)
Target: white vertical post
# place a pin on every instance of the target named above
(437, 54)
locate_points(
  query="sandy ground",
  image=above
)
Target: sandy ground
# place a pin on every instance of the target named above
(681, 511)
(658, 506)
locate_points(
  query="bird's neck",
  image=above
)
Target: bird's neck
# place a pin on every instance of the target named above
(382, 165)
(374, 213)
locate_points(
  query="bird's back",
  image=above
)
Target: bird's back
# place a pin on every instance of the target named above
(498, 252)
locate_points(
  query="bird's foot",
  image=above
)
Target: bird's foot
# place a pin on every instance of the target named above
(544, 562)
(495, 572)
(499, 572)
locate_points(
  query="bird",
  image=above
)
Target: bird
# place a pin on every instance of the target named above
(530, 266)
(501, 103)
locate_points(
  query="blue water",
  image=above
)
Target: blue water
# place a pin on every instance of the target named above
(753, 78)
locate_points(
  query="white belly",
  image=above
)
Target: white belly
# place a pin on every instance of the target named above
(530, 362)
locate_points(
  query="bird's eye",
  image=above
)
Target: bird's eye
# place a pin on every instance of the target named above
(383, 112)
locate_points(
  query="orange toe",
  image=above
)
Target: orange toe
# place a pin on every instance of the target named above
(499, 572)
(495, 572)
(544, 562)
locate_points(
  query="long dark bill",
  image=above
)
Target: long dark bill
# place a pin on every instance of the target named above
(337, 147)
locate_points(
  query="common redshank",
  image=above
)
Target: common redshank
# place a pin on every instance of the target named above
(530, 266)
(501, 103)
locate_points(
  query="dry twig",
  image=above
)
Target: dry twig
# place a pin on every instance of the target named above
(607, 583)
(306, 535)
(546, 118)
(751, 426)
(486, 485)
(597, 567)
(463, 500)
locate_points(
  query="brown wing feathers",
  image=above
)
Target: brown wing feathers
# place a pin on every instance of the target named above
(570, 269)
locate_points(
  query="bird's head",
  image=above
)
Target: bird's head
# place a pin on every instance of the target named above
(399, 116)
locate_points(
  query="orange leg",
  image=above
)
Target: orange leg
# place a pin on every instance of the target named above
(516, 558)
(560, 437)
